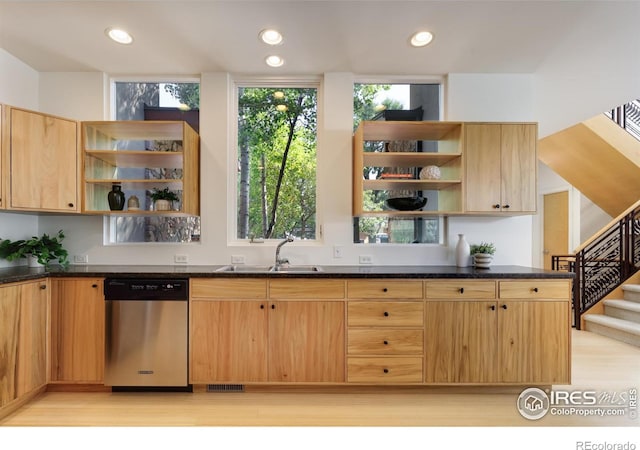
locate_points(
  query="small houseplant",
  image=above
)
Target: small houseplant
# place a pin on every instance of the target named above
(44, 250)
(163, 199)
(483, 254)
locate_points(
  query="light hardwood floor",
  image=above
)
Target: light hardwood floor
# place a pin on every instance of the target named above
(599, 364)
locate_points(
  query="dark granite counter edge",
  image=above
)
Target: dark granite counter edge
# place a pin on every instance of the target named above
(16, 274)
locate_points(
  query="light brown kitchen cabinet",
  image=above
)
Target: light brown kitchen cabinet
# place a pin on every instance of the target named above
(41, 164)
(251, 330)
(374, 146)
(4, 148)
(521, 336)
(140, 156)
(501, 167)
(229, 341)
(77, 330)
(23, 338)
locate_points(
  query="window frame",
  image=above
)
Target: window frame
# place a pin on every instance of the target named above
(108, 222)
(314, 82)
(408, 79)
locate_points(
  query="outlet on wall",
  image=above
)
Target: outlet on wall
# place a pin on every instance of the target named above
(337, 251)
(80, 259)
(237, 259)
(366, 259)
(181, 259)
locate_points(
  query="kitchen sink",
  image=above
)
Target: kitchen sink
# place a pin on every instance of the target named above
(244, 268)
(297, 269)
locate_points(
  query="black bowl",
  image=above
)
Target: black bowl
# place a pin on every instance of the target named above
(406, 203)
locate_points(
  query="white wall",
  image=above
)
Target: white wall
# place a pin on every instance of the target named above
(18, 87)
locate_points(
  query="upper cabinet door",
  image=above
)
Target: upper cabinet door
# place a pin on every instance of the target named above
(501, 167)
(483, 177)
(43, 159)
(519, 167)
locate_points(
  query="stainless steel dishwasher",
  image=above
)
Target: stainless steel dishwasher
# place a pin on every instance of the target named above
(146, 333)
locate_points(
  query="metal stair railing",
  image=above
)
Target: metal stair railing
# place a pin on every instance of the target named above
(604, 262)
(628, 117)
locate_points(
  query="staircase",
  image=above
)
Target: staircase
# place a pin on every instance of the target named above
(621, 318)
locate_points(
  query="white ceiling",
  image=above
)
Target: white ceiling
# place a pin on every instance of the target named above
(363, 37)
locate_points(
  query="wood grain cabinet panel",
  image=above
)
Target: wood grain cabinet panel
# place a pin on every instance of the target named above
(461, 342)
(77, 330)
(228, 341)
(384, 370)
(535, 289)
(304, 288)
(385, 314)
(23, 338)
(501, 167)
(381, 341)
(384, 289)
(461, 289)
(226, 289)
(43, 162)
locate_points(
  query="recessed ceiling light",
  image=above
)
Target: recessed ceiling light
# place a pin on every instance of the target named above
(271, 37)
(118, 35)
(274, 61)
(421, 38)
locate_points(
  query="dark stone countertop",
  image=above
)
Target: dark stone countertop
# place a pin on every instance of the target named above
(24, 273)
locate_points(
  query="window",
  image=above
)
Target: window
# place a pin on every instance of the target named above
(153, 101)
(276, 161)
(397, 102)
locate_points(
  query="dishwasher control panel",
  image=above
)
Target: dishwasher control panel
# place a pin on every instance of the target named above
(146, 289)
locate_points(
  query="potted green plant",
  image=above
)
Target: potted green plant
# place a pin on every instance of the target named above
(38, 250)
(482, 254)
(163, 199)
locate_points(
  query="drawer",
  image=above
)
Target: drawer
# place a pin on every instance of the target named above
(391, 289)
(535, 289)
(384, 370)
(304, 288)
(460, 289)
(390, 314)
(240, 288)
(381, 341)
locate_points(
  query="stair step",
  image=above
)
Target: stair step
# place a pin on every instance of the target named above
(622, 309)
(631, 292)
(618, 329)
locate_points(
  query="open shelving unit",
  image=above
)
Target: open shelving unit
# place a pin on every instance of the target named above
(140, 156)
(445, 138)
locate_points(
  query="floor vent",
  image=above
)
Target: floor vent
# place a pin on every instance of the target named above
(225, 387)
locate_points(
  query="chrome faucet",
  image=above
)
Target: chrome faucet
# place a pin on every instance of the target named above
(281, 261)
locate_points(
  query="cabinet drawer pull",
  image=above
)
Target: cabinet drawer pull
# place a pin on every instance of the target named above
(70, 205)
(506, 206)
(94, 285)
(386, 314)
(496, 206)
(384, 289)
(492, 307)
(385, 342)
(43, 286)
(535, 289)
(261, 306)
(461, 290)
(385, 370)
(504, 306)
(273, 306)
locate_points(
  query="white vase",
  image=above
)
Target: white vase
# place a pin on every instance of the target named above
(463, 252)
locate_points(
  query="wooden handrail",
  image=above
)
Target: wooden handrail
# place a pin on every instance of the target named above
(607, 227)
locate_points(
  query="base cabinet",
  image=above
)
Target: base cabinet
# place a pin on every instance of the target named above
(23, 320)
(77, 330)
(239, 334)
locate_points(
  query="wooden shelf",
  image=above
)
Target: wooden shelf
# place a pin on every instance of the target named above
(138, 130)
(173, 184)
(140, 212)
(407, 159)
(138, 159)
(409, 185)
(407, 214)
(416, 131)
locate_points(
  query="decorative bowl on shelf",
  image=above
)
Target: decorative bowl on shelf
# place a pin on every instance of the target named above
(406, 203)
